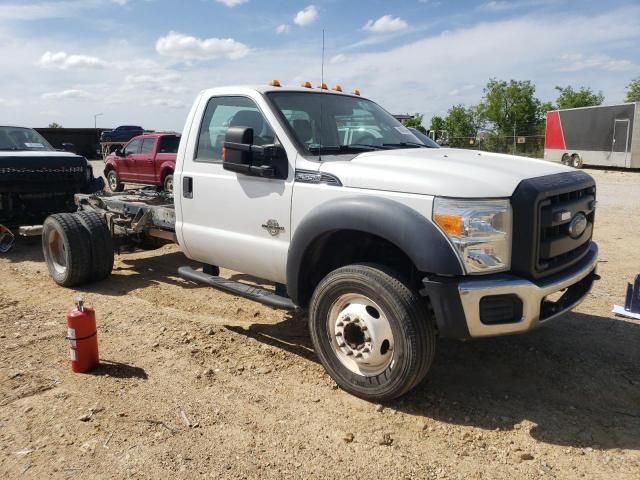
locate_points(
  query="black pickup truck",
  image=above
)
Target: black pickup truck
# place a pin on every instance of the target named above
(36, 180)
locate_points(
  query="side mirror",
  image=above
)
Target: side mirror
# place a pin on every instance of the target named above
(240, 155)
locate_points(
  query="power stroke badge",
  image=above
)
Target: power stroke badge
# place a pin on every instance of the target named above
(273, 227)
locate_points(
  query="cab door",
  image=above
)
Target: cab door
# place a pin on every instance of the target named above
(145, 161)
(127, 162)
(231, 219)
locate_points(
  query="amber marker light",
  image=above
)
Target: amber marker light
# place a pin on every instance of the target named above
(337, 88)
(275, 83)
(451, 224)
(306, 85)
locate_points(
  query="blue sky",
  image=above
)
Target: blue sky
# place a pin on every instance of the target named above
(143, 61)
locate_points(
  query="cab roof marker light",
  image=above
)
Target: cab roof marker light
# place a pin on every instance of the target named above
(306, 85)
(275, 83)
(356, 92)
(337, 88)
(323, 86)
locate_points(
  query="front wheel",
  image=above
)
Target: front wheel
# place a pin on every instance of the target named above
(168, 183)
(372, 333)
(576, 161)
(114, 182)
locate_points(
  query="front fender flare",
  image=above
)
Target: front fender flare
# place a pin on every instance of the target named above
(399, 224)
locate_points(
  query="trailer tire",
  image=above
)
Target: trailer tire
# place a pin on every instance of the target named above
(114, 182)
(566, 159)
(372, 333)
(101, 245)
(576, 161)
(67, 249)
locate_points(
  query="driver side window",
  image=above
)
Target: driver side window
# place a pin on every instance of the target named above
(222, 113)
(133, 147)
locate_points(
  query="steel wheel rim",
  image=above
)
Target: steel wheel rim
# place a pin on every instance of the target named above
(360, 335)
(57, 252)
(168, 184)
(113, 181)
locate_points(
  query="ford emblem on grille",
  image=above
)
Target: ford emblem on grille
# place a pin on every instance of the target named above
(578, 225)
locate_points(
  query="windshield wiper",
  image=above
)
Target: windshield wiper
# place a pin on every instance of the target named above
(407, 144)
(354, 147)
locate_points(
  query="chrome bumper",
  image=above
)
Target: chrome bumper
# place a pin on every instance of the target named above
(532, 296)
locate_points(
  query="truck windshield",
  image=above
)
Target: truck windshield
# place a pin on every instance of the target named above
(18, 138)
(335, 124)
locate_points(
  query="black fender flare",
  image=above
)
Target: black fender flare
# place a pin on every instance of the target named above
(415, 235)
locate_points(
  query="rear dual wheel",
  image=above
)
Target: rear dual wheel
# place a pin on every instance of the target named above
(372, 332)
(77, 248)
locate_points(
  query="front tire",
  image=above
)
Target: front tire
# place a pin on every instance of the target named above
(372, 333)
(168, 183)
(114, 182)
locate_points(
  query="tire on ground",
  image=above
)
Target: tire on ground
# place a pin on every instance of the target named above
(113, 182)
(411, 323)
(167, 183)
(576, 161)
(67, 249)
(101, 245)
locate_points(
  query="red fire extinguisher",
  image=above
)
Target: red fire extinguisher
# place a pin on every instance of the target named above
(83, 338)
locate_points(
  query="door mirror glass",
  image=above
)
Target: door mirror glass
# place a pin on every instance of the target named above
(240, 155)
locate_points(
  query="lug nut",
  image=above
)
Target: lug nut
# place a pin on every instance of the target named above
(342, 344)
(339, 324)
(358, 355)
(365, 350)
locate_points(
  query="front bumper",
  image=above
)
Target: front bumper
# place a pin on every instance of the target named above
(457, 302)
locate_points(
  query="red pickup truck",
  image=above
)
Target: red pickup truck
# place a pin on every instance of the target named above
(148, 159)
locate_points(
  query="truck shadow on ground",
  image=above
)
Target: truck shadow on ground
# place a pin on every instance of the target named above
(575, 382)
(133, 273)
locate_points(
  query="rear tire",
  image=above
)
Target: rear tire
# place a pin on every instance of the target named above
(101, 245)
(576, 161)
(67, 249)
(113, 182)
(168, 183)
(371, 332)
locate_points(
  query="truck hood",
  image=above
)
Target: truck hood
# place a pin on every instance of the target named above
(446, 172)
(36, 154)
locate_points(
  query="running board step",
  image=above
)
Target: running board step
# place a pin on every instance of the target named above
(241, 289)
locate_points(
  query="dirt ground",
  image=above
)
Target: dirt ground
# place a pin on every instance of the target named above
(195, 382)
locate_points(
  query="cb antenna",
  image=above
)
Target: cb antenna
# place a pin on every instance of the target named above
(321, 92)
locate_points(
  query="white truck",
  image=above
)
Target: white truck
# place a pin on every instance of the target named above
(387, 242)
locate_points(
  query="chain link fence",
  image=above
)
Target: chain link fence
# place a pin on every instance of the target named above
(526, 145)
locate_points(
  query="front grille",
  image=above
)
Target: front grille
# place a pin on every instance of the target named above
(544, 210)
(556, 247)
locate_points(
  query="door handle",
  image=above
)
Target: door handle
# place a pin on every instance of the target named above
(187, 187)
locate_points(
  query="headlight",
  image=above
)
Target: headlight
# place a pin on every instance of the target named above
(480, 230)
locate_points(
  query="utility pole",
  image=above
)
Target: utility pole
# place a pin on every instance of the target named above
(95, 120)
(514, 137)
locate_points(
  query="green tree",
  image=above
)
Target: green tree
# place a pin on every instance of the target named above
(437, 123)
(462, 124)
(633, 91)
(416, 122)
(583, 97)
(509, 105)
(55, 125)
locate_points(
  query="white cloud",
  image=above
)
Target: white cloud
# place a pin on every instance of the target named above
(120, 2)
(284, 28)
(72, 93)
(170, 103)
(188, 48)
(232, 3)
(306, 16)
(340, 58)
(576, 62)
(63, 60)
(496, 6)
(45, 9)
(385, 24)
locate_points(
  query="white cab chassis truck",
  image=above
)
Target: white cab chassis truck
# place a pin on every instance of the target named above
(389, 243)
